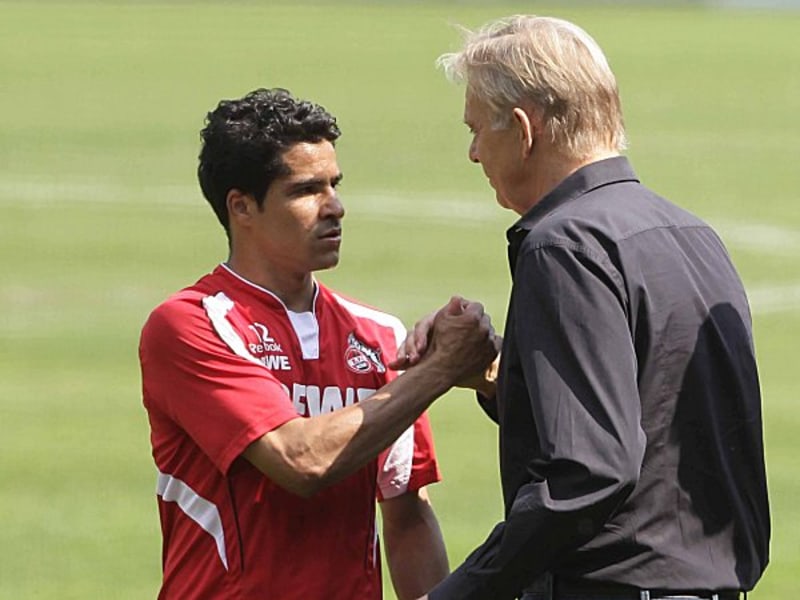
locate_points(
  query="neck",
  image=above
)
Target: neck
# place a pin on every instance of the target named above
(549, 171)
(295, 290)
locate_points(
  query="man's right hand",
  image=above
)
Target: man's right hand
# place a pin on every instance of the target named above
(460, 339)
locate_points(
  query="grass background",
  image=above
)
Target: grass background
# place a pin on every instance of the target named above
(100, 108)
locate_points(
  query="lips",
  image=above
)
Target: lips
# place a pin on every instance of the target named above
(331, 237)
(335, 233)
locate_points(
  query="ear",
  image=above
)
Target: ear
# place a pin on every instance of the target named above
(526, 128)
(240, 205)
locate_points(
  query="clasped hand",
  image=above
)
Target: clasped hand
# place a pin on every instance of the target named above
(461, 336)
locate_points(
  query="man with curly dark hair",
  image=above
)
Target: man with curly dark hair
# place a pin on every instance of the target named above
(275, 418)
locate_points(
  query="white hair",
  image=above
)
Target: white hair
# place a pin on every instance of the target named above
(548, 63)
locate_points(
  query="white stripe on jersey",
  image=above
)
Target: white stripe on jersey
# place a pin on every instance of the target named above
(381, 318)
(217, 308)
(194, 506)
(395, 472)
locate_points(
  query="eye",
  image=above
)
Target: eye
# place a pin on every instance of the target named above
(306, 190)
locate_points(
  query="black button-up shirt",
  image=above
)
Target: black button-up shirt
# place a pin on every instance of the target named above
(628, 401)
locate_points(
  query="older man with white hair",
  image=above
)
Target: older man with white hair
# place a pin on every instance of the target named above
(631, 452)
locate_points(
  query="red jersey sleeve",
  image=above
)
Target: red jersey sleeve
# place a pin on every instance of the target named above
(191, 376)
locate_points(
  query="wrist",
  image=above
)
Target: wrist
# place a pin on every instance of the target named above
(435, 374)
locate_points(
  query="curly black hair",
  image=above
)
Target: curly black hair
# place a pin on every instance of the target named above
(244, 140)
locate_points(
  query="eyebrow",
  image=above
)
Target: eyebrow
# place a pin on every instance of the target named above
(314, 181)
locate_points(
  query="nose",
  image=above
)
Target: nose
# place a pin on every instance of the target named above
(332, 206)
(473, 152)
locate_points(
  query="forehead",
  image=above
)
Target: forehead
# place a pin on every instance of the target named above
(475, 110)
(310, 159)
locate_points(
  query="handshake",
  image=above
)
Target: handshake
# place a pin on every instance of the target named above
(459, 342)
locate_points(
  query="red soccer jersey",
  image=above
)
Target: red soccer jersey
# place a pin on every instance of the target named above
(224, 362)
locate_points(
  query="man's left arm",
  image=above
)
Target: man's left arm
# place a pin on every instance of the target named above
(579, 369)
(415, 550)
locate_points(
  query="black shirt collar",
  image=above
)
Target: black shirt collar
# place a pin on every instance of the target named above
(585, 179)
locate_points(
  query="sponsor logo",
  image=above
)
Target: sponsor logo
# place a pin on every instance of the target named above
(360, 358)
(311, 400)
(266, 342)
(267, 350)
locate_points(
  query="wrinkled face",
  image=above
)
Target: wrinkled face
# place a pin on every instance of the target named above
(497, 150)
(299, 226)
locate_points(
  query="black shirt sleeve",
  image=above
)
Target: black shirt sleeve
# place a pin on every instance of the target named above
(577, 357)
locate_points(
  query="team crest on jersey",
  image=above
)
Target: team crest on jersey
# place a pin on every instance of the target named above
(360, 358)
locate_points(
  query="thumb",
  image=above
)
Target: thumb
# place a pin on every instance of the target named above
(455, 306)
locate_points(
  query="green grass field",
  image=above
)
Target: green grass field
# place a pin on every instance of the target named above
(100, 108)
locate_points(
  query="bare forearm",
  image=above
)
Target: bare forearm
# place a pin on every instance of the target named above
(306, 455)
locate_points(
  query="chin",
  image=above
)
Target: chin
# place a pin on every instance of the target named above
(328, 262)
(501, 200)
